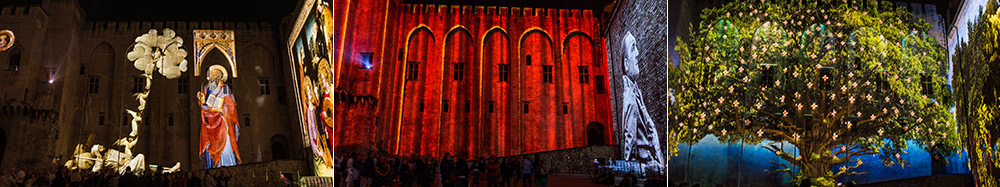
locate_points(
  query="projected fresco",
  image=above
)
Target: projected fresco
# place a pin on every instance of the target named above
(641, 139)
(220, 126)
(638, 63)
(311, 54)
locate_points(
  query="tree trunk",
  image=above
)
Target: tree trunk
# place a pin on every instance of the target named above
(817, 170)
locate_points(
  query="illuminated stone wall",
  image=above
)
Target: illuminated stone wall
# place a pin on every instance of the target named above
(57, 43)
(475, 113)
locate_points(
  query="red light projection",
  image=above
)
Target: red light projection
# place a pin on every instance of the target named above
(479, 81)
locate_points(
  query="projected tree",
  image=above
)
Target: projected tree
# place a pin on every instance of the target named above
(977, 85)
(836, 80)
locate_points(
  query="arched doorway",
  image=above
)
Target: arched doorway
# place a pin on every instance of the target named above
(595, 134)
(278, 150)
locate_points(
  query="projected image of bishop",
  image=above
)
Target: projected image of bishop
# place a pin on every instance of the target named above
(641, 140)
(220, 128)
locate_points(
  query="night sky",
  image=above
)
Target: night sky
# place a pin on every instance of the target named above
(188, 10)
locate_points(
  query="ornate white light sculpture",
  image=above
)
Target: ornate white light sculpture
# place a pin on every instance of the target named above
(150, 53)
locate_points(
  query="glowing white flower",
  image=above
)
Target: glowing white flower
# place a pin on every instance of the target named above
(152, 51)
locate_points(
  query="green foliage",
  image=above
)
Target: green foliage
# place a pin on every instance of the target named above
(835, 79)
(977, 75)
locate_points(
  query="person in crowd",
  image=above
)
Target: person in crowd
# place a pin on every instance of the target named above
(193, 179)
(224, 177)
(395, 169)
(541, 174)
(424, 173)
(526, 172)
(128, 179)
(447, 171)
(655, 180)
(383, 171)
(208, 180)
(461, 173)
(75, 179)
(406, 171)
(434, 170)
(350, 170)
(368, 169)
(506, 172)
(493, 172)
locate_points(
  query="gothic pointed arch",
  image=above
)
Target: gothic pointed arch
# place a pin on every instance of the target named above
(208, 40)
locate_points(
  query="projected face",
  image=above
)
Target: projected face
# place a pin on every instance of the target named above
(631, 61)
(640, 136)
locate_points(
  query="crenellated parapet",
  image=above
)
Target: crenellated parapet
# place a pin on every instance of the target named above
(468, 10)
(141, 26)
(7, 11)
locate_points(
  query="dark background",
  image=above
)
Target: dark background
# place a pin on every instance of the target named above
(181, 10)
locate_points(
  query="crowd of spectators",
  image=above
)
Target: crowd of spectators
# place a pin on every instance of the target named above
(375, 169)
(62, 177)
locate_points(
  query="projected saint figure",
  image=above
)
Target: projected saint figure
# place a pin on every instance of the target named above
(641, 140)
(220, 128)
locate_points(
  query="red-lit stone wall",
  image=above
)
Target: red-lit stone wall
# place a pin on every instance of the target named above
(360, 27)
(424, 108)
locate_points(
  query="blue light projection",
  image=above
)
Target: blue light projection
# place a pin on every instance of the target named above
(710, 162)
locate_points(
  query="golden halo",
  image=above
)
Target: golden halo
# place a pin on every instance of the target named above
(10, 39)
(323, 66)
(217, 67)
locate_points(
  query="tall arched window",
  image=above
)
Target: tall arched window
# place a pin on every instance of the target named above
(14, 61)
